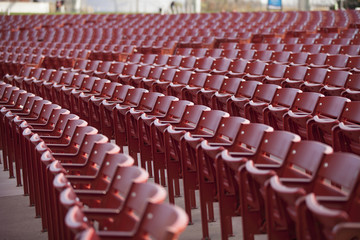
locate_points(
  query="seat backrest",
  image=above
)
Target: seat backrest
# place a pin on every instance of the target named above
(155, 72)
(130, 69)
(161, 59)
(330, 106)
(197, 79)
(162, 221)
(204, 63)
(168, 74)
(121, 186)
(249, 136)
(298, 58)
(214, 82)
(336, 78)
(175, 60)
(337, 60)
(104, 66)
(265, 92)
(317, 58)
(274, 147)
(188, 62)
(182, 77)
(148, 101)
(311, 48)
(133, 96)
(304, 159)
(238, 66)
(117, 67)
(306, 102)
(275, 70)
(192, 115)
(295, 72)
(316, 75)
(81, 63)
(337, 178)
(139, 197)
(230, 85)
(246, 54)
(285, 97)
(255, 68)
(143, 71)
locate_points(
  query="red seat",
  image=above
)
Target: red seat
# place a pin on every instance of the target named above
(134, 125)
(352, 87)
(132, 99)
(224, 136)
(345, 132)
(205, 127)
(315, 83)
(283, 193)
(304, 155)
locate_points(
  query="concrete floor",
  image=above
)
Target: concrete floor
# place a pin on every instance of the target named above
(17, 218)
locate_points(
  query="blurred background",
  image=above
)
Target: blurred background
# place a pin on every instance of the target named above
(168, 6)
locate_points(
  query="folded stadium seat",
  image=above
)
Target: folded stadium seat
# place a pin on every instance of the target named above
(334, 85)
(246, 92)
(307, 40)
(353, 64)
(25, 72)
(66, 80)
(45, 76)
(220, 66)
(280, 57)
(319, 127)
(134, 58)
(338, 225)
(86, 100)
(253, 70)
(290, 40)
(305, 155)
(341, 41)
(224, 136)
(282, 193)
(298, 58)
(229, 88)
(330, 49)
(158, 217)
(315, 84)
(90, 67)
(246, 54)
(230, 53)
(124, 53)
(206, 126)
(296, 75)
(102, 69)
(147, 59)
(295, 47)
(186, 118)
(151, 144)
(183, 79)
(277, 47)
(352, 87)
(297, 123)
(214, 52)
(197, 87)
(132, 99)
(8, 129)
(325, 40)
(237, 68)
(77, 66)
(351, 50)
(142, 71)
(344, 133)
(202, 64)
(198, 52)
(115, 69)
(272, 40)
(90, 86)
(161, 60)
(228, 45)
(156, 104)
(263, 55)
(183, 51)
(146, 82)
(166, 77)
(63, 93)
(128, 71)
(311, 48)
(274, 73)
